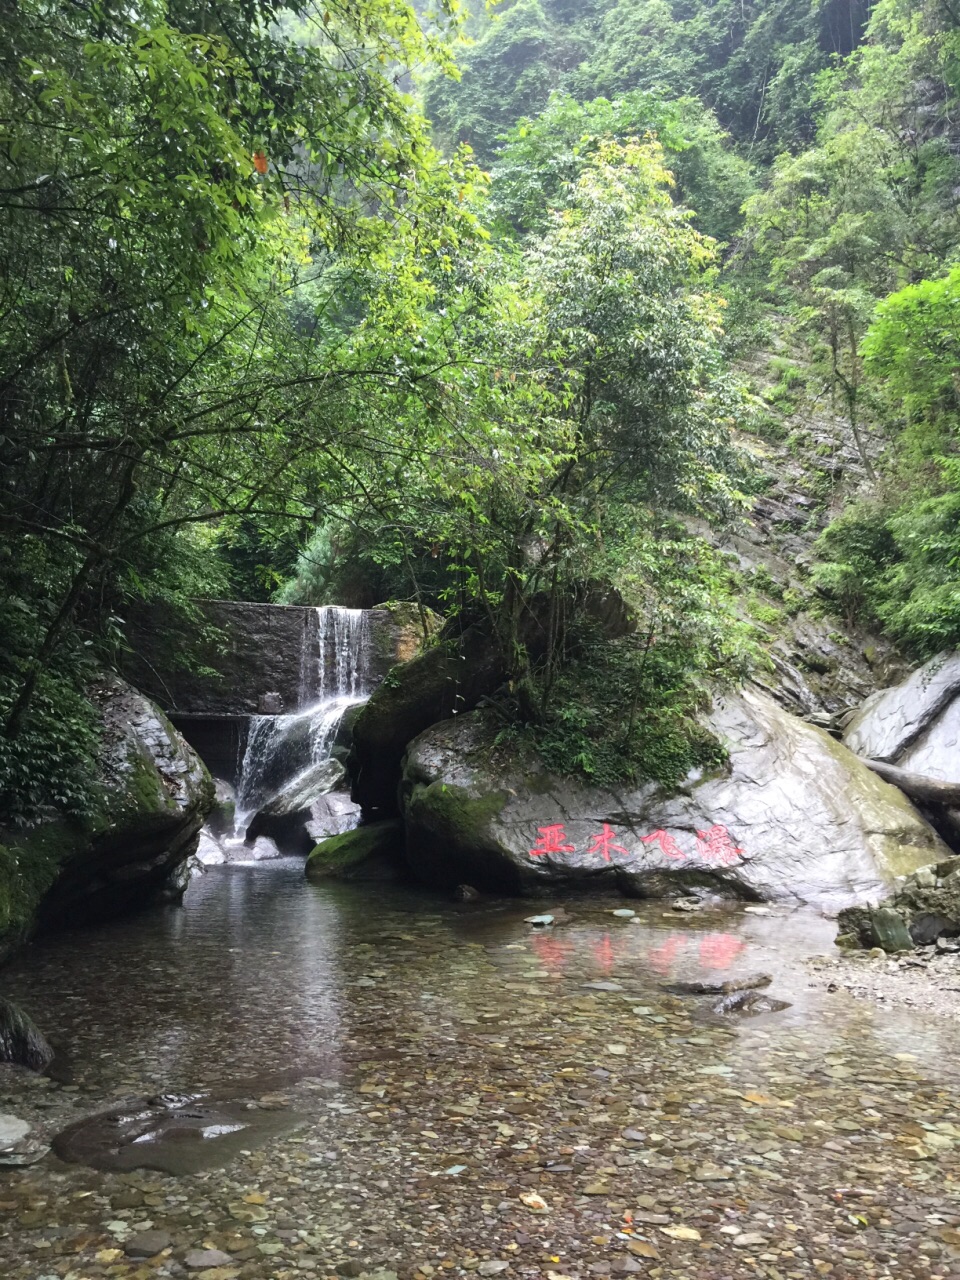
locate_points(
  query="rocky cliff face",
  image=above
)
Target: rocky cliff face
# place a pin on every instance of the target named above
(807, 466)
(794, 817)
(154, 793)
(224, 662)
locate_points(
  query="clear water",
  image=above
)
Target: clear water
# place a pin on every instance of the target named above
(448, 1060)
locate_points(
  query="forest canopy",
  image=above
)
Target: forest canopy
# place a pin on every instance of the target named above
(315, 302)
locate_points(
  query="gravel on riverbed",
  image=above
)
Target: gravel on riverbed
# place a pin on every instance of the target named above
(496, 1102)
(927, 979)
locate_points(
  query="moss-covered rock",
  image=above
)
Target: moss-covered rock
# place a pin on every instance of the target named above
(372, 852)
(153, 795)
(927, 904)
(441, 818)
(446, 680)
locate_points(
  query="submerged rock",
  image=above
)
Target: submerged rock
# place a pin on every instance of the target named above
(372, 852)
(176, 1135)
(794, 816)
(466, 893)
(17, 1146)
(21, 1040)
(749, 1004)
(720, 986)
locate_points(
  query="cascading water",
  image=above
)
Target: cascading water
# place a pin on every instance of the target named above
(333, 677)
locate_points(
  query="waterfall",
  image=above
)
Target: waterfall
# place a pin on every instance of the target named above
(334, 675)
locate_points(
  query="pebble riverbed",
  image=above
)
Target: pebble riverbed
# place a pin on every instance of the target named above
(470, 1096)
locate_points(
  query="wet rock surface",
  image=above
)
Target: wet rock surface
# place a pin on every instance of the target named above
(482, 1098)
(914, 724)
(175, 1134)
(793, 816)
(303, 802)
(21, 1040)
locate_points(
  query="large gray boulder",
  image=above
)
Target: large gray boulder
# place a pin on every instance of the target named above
(299, 805)
(794, 816)
(153, 796)
(916, 724)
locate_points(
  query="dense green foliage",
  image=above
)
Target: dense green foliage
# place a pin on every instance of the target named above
(261, 335)
(170, 178)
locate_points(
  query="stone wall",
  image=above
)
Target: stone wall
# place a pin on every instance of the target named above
(222, 663)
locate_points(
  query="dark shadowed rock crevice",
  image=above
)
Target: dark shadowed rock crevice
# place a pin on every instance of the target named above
(446, 680)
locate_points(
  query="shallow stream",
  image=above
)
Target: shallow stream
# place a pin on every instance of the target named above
(391, 1083)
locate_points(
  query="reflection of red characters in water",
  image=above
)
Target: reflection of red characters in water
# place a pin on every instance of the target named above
(604, 843)
(664, 957)
(719, 950)
(603, 950)
(667, 844)
(549, 841)
(553, 953)
(716, 845)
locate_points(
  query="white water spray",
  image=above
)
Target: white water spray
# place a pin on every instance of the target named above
(334, 675)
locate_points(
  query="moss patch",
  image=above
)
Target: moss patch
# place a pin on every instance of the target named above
(342, 857)
(29, 863)
(456, 814)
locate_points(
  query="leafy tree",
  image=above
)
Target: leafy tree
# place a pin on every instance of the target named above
(742, 60)
(896, 561)
(913, 351)
(508, 73)
(624, 333)
(542, 154)
(169, 178)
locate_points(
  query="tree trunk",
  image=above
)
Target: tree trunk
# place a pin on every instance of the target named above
(916, 785)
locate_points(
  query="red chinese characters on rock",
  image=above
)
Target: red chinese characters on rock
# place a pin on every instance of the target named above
(715, 844)
(668, 846)
(549, 841)
(604, 843)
